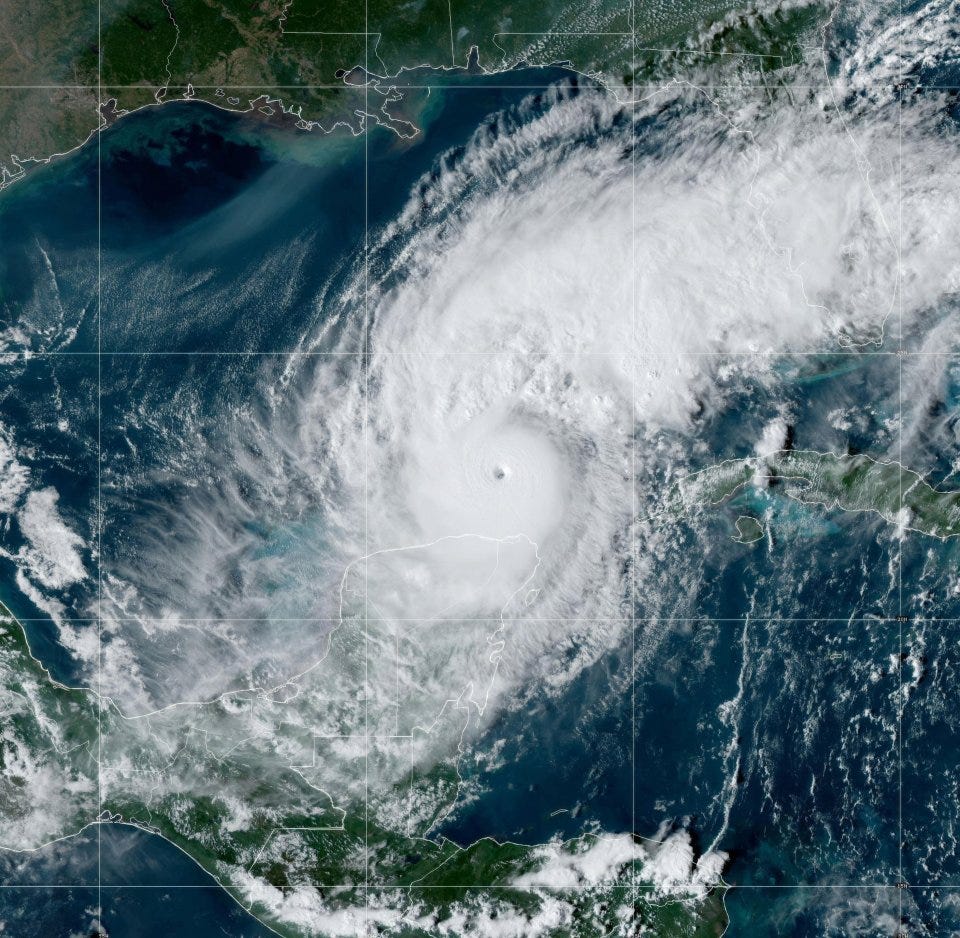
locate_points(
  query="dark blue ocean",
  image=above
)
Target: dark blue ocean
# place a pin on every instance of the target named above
(766, 714)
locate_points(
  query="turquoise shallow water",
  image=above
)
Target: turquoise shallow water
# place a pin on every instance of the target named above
(798, 782)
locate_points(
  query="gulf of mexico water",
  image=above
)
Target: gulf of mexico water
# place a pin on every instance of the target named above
(763, 715)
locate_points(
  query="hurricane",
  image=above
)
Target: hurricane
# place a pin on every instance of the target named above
(606, 412)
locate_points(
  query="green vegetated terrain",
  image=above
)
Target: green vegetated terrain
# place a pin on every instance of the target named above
(65, 755)
(259, 816)
(846, 482)
(60, 63)
(61, 753)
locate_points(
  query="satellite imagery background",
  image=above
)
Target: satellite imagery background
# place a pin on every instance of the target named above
(479, 469)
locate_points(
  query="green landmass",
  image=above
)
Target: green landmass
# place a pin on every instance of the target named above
(264, 830)
(748, 530)
(282, 810)
(276, 793)
(65, 72)
(846, 482)
(48, 747)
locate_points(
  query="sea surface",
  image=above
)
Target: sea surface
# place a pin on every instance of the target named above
(767, 724)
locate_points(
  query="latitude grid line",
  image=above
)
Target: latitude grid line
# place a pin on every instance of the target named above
(900, 352)
(377, 79)
(397, 887)
(477, 85)
(265, 89)
(118, 887)
(585, 619)
(445, 353)
(572, 353)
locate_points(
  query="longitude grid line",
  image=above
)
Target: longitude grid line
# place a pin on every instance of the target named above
(99, 522)
(635, 895)
(363, 361)
(364, 364)
(899, 287)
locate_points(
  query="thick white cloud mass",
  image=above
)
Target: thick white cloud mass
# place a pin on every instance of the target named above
(581, 278)
(443, 513)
